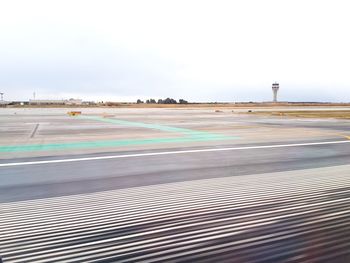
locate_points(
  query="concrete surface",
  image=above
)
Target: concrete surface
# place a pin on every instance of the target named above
(305, 161)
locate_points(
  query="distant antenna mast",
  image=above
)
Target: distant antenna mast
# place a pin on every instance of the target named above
(2, 96)
(34, 95)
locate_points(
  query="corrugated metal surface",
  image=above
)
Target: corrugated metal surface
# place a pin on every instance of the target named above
(257, 218)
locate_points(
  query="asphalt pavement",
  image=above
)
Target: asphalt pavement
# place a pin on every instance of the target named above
(180, 188)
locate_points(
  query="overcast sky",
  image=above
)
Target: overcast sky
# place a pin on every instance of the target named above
(196, 50)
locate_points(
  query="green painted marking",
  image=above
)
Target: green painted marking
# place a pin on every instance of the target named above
(159, 127)
(99, 144)
(190, 136)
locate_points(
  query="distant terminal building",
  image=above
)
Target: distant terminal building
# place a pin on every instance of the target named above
(275, 88)
(56, 102)
(47, 102)
(4, 103)
(74, 102)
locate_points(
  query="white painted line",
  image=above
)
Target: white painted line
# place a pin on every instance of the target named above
(172, 152)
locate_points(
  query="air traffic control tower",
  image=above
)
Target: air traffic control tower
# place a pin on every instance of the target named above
(275, 88)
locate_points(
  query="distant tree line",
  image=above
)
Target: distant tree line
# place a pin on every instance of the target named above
(165, 101)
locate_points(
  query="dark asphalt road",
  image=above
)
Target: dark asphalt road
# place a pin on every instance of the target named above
(47, 180)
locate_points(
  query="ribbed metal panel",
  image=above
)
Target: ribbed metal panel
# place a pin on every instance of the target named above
(256, 218)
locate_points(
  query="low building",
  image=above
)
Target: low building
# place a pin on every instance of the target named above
(56, 102)
(89, 103)
(47, 102)
(4, 103)
(74, 102)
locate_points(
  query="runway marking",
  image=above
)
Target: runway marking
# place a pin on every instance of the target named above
(108, 143)
(159, 127)
(187, 135)
(34, 130)
(172, 153)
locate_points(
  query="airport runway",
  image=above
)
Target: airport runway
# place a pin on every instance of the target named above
(238, 189)
(100, 172)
